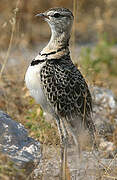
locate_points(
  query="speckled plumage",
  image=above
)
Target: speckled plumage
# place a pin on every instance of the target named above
(66, 89)
(58, 86)
(54, 81)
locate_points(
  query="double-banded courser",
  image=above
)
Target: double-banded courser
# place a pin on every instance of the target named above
(56, 83)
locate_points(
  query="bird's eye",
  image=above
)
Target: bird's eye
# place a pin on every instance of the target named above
(56, 15)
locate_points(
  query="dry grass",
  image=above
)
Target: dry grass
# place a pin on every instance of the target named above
(13, 23)
(91, 20)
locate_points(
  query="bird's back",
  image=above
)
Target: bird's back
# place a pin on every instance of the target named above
(66, 91)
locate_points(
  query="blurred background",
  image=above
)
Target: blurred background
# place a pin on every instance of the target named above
(94, 29)
(93, 48)
(91, 19)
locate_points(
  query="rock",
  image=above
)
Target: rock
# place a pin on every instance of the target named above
(104, 110)
(106, 145)
(105, 97)
(14, 141)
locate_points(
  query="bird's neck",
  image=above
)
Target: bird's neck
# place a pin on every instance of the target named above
(58, 40)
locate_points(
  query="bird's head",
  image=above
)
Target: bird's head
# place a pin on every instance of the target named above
(59, 19)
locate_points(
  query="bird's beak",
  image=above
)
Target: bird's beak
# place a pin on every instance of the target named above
(42, 15)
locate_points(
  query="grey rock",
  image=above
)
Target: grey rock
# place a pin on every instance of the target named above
(14, 142)
(104, 97)
(104, 110)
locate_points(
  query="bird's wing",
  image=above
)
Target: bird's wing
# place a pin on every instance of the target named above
(67, 91)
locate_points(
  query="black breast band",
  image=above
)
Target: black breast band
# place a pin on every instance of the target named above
(54, 52)
(35, 62)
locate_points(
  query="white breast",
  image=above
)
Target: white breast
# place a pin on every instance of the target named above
(33, 83)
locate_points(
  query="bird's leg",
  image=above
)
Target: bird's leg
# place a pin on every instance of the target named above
(75, 138)
(65, 142)
(63, 158)
(63, 145)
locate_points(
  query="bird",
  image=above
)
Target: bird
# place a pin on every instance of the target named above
(57, 84)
